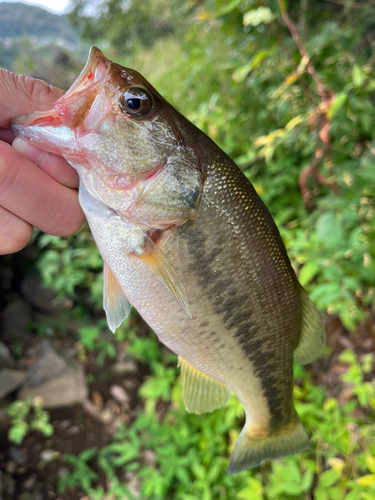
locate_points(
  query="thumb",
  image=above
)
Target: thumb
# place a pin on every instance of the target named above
(19, 95)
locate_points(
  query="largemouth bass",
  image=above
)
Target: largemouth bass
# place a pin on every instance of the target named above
(188, 242)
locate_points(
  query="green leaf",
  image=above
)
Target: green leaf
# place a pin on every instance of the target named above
(308, 272)
(228, 8)
(328, 478)
(18, 432)
(370, 462)
(88, 454)
(257, 16)
(368, 480)
(328, 229)
(337, 104)
(320, 494)
(357, 76)
(307, 480)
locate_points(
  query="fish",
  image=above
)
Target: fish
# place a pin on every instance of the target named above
(188, 242)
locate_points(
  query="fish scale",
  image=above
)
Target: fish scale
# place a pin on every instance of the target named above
(188, 242)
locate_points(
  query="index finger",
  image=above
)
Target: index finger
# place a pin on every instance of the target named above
(19, 95)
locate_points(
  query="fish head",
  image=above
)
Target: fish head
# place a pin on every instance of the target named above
(117, 131)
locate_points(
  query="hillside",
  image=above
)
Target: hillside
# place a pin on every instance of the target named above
(18, 20)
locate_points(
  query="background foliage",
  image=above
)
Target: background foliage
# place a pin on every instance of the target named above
(233, 69)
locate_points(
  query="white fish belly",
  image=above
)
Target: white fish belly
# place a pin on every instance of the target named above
(206, 345)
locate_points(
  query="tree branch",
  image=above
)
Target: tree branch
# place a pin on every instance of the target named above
(326, 95)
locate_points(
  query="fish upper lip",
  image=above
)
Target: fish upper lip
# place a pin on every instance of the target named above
(95, 68)
(94, 72)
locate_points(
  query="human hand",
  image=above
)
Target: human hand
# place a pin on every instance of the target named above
(36, 188)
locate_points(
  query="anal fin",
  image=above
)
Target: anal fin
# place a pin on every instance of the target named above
(201, 393)
(160, 265)
(115, 303)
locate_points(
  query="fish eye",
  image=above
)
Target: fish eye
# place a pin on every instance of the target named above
(135, 102)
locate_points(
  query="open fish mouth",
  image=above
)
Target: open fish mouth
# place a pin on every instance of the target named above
(55, 128)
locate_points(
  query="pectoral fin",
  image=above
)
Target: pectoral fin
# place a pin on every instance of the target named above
(115, 303)
(160, 265)
(201, 393)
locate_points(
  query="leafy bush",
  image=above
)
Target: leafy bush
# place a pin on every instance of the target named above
(189, 452)
(27, 416)
(234, 70)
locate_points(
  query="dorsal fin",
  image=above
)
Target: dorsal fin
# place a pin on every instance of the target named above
(160, 265)
(115, 303)
(312, 333)
(200, 392)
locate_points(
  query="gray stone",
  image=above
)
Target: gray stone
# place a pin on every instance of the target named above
(11, 467)
(7, 485)
(6, 359)
(119, 393)
(18, 455)
(125, 364)
(48, 365)
(41, 297)
(15, 320)
(30, 482)
(10, 380)
(56, 378)
(49, 455)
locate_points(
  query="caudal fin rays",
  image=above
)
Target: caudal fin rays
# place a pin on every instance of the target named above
(250, 451)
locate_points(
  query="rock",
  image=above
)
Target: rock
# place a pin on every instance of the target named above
(49, 455)
(18, 455)
(11, 467)
(30, 482)
(10, 380)
(73, 430)
(134, 484)
(6, 359)
(41, 297)
(125, 364)
(65, 424)
(49, 364)
(106, 416)
(97, 399)
(149, 458)
(120, 395)
(7, 485)
(15, 319)
(56, 378)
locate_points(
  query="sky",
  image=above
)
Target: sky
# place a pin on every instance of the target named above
(55, 6)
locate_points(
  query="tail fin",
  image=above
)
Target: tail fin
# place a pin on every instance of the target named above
(250, 451)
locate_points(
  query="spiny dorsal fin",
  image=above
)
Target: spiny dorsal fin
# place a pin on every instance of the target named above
(201, 393)
(312, 333)
(115, 303)
(160, 265)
